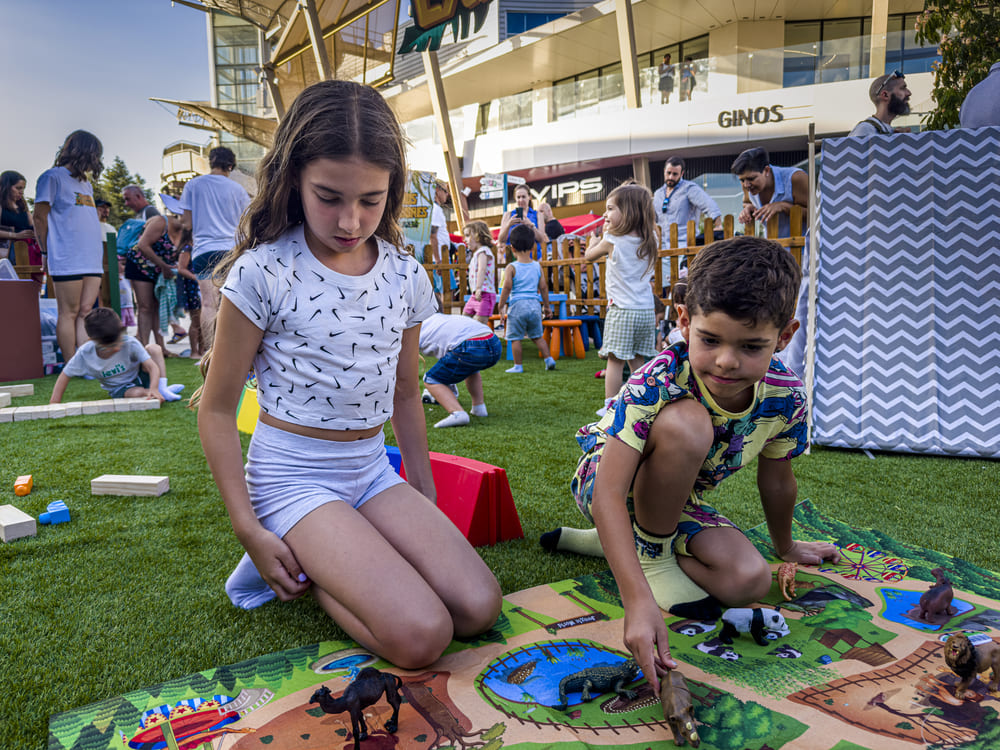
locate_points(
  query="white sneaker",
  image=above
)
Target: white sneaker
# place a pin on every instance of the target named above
(516, 368)
(479, 410)
(604, 409)
(427, 398)
(455, 419)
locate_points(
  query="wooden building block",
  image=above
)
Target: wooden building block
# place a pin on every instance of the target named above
(20, 389)
(91, 407)
(7, 414)
(129, 484)
(4, 399)
(56, 411)
(74, 408)
(121, 404)
(15, 523)
(144, 404)
(28, 413)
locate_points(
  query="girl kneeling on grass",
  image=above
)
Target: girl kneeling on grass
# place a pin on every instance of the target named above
(322, 303)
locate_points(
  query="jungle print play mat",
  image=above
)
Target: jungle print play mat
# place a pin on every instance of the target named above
(856, 670)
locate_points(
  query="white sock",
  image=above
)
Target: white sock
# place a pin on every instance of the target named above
(455, 419)
(479, 410)
(669, 583)
(516, 368)
(164, 389)
(176, 387)
(245, 587)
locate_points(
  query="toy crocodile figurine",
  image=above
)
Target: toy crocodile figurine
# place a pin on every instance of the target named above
(599, 680)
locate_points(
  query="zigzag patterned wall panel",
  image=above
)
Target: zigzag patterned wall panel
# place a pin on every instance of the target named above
(908, 307)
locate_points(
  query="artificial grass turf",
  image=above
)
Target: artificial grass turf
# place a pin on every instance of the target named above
(129, 593)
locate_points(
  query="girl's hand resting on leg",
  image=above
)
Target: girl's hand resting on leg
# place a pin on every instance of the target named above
(646, 636)
(810, 553)
(277, 565)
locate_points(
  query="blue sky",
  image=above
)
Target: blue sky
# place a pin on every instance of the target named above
(92, 65)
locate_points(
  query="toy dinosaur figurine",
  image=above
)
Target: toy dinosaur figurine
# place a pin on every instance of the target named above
(599, 680)
(365, 691)
(936, 601)
(786, 580)
(675, 698)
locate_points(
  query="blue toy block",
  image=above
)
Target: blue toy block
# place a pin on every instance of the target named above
(395, 457)
(57, 512)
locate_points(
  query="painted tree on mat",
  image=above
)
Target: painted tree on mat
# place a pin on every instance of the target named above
(967, 33)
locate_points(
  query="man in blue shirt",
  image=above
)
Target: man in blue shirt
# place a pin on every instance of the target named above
(676, 202)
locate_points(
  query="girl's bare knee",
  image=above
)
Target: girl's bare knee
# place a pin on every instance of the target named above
(477, 613)
(417, 641)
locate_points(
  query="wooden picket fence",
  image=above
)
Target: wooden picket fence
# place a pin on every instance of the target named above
(583, 282)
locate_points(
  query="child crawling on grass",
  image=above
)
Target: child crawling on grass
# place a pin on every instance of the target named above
(698, 412)
(124, 368)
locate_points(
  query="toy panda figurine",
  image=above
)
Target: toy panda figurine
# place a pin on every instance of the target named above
(760, 623)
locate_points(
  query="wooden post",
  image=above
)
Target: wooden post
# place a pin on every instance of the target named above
(439, 104)
(880, 27)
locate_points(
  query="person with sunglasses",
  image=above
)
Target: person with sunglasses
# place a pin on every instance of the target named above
(678, 200)
(891, 97)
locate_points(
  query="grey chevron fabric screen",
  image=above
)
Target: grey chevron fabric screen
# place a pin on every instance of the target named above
(908, 306)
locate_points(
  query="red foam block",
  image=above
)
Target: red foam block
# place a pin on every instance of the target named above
(476, 497)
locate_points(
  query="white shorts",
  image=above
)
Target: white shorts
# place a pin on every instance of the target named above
(289, 476)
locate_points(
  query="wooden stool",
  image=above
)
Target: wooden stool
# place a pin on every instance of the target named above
(570, 340)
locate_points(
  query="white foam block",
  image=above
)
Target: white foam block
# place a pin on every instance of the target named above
(4, 399)
(74, 408)
(91, 407)
(15, 523)
(22, 389)
(121, 404)
(129, 484)
(144, 404)
(56, 411)
(7, 415)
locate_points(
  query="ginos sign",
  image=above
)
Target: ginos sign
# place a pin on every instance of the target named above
(750, 116)
(561, 189)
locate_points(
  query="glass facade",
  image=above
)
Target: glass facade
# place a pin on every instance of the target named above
(839, 50)
(518, 23)
(237, 58)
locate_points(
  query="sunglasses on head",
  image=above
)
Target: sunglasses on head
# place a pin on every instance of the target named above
(895, 74)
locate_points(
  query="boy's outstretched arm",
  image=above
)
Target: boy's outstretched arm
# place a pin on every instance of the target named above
(778, 493)
(59, 388)
(645, 632)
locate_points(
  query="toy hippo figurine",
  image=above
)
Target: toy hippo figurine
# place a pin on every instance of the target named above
(760, 623)
(937, 599)
(599, 680)
(675, 697)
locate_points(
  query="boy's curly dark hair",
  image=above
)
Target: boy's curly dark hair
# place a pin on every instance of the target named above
(748, 278)
(522, 238)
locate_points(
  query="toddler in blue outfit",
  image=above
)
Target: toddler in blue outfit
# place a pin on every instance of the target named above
(525, 290)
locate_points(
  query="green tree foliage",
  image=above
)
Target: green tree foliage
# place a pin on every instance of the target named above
(967, 33)
(109, 187)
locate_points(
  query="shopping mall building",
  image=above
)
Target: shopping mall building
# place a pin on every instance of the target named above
(566, 93)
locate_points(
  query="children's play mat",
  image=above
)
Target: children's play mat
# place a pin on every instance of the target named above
(856, 670)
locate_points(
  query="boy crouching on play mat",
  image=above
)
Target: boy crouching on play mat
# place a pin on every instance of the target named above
(124, 368)
(695, 414)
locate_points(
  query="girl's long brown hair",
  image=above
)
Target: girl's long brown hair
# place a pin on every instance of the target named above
(328, 120)
(635, 204)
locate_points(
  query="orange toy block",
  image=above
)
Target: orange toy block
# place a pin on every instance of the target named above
(23, 485)
(476, 497)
